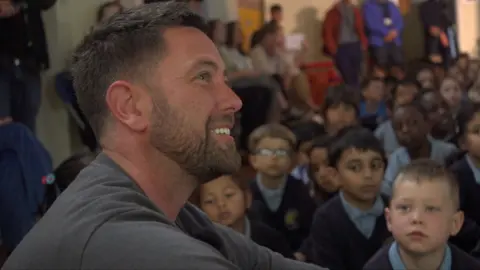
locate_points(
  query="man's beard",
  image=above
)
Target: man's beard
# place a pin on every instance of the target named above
(200, 156)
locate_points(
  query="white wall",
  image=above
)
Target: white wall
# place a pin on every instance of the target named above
(468, 15)
(65, 23)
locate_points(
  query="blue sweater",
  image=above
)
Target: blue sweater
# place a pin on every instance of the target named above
(374, 22)
(23, 165)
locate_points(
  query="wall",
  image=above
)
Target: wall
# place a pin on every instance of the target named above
(304, 16)
(468, 15)
(65, 24)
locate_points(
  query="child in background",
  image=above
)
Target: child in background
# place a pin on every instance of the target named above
(373, 109)
(68, 170)
(452, 93)
(324, 184)
(340, 108)
(287, 206)
(466, 169)
(426, 78)
(226, 200)
(349, 228)
(422, 215)
(412, 127)
(304, 132)
(403, 94)
(442, 123)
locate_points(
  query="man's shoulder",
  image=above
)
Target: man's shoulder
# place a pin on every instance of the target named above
(149, 245)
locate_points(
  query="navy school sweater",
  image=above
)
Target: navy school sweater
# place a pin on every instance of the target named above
(460, 260)
(337, 244)
(24, 164)
(269, 238)
(469, 191)
(294, 216)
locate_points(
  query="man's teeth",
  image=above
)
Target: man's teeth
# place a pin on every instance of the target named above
(222, 131)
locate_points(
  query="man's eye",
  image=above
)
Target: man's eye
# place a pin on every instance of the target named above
(204, 76)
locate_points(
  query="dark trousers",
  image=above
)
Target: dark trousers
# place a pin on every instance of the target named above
(20, 96)
(257, 102)
(348, 61)
(387, 56)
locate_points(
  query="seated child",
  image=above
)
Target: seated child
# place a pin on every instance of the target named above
(68, 170)
(426, 78)
(411, 124)
(304, 132)
(283, 202)
(325, 183)
(452, 93)
(402, 94)
(349, 228)
(422, 215)
(226, 200)
(340, 108)
(466, 168)
(440, 117)
(373, 109)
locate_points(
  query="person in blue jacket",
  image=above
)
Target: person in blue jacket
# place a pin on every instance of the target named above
(384, 24)
(25, 173)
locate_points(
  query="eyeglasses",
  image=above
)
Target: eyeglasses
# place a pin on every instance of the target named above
(273, 152)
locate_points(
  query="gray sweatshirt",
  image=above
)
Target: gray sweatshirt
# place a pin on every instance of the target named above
(104, 221)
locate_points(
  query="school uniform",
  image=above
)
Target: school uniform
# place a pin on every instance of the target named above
(267, 237)
(439, 152)
(288, 209)
(345, 238)
(468, 177)
(388, 258)
(301, 173)
(386, 134)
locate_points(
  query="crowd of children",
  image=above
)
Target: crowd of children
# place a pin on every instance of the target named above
(388, 181)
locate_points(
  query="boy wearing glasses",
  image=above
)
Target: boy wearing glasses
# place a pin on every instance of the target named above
(280, 200)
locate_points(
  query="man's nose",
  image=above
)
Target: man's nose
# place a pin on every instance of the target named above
(228, 100)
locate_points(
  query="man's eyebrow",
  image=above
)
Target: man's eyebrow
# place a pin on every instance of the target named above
(204, 63)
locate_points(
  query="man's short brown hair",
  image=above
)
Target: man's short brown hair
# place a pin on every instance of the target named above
(275, 131)
(125, 47)
(422, 170)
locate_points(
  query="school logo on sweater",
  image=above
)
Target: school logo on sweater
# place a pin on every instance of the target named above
(291, 219)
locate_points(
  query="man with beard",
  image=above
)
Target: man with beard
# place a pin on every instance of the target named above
(163, 114)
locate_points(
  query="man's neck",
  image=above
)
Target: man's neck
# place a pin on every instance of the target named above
(432, 261)
(161, 179)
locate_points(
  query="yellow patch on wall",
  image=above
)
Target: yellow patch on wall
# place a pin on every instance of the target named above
(250, 21)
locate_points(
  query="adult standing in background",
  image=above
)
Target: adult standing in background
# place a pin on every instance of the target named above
(276, 14)
(344, 39)
(163, 113)
(437, 21)
(23, 56)
(384, 25)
